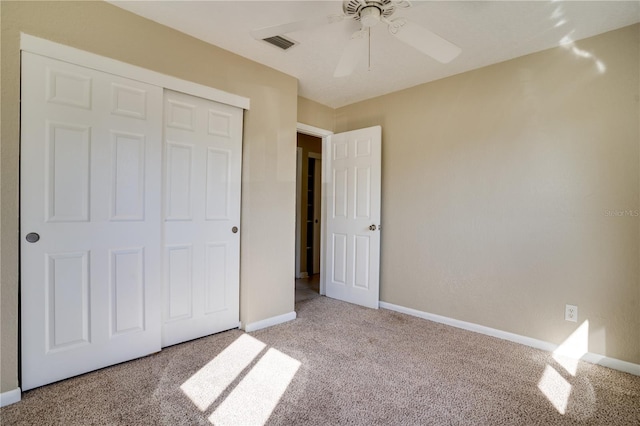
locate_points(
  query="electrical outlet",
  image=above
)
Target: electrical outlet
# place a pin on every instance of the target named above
(571, 313)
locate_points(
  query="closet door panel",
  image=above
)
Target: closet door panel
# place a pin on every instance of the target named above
(90, 176)
(202, 171)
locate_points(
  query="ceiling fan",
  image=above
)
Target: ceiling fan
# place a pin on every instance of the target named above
(371, 13)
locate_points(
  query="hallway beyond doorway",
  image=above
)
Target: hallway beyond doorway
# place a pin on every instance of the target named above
(307, 288)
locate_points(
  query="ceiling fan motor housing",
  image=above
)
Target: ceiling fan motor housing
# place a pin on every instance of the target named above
(369, 12)
(370, 16)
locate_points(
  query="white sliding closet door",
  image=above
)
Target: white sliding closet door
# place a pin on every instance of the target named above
(202, 167)
(90, 173)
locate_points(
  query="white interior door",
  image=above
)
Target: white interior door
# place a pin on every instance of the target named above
(90, 184)
(352, 244)
(203, 155)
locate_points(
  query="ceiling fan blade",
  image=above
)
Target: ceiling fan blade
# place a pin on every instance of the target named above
(424, 40)
(276, 30)
(353, 52)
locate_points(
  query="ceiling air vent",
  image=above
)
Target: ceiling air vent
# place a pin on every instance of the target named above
(279, 41)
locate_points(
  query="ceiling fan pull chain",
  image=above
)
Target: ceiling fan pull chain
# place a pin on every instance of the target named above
(369, 48)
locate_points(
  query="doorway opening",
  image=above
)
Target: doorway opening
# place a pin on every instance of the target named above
(308, 216)
(349, 235)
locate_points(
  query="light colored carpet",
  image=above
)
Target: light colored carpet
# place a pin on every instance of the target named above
(339, 364)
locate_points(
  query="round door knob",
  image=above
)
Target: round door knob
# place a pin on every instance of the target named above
(234, 229)
(32, 237)
(372, 228)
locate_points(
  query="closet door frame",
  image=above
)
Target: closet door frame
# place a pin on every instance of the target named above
(60, 52)
(50, 49)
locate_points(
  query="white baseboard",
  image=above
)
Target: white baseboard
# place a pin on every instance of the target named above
(613, 363)
(10, 397)
(616, 364)
(270, 322)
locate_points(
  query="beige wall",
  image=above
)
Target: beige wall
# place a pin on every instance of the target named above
(497, 182)
(268, 196)
(315, 114)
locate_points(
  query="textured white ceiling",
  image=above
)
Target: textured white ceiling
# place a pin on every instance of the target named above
(487, 32)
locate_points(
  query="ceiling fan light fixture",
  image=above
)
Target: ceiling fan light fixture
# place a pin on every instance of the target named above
(370, 16)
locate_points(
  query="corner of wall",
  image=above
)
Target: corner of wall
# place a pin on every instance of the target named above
(316, 114)
(10, 397)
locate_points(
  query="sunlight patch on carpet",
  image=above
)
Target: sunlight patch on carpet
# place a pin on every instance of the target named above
(205, 386)
(555, 388)
(258, 394)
